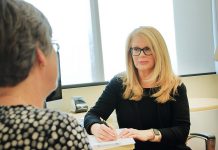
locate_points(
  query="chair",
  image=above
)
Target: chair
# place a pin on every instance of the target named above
(210, 140)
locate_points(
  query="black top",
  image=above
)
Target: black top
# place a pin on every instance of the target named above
(171, 118)
(28, 128)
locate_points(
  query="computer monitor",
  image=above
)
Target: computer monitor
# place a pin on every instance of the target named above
(57, 93)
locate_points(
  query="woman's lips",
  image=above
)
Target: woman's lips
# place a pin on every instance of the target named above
(142, 62)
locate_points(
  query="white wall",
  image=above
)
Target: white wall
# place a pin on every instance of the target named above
(194, 36)
(205, 122)
(216, 63)
(215, 30)
(205, 86)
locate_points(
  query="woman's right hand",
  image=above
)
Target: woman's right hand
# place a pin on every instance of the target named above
(103, 132)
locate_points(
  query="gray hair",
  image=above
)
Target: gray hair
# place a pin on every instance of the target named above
(22, 28)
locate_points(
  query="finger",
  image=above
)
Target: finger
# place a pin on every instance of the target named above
(100, 139)
(108, 137)
(100, 136)
(123, 132)
(109, 130)
(104, 134)
(129, 133)
(104, 138)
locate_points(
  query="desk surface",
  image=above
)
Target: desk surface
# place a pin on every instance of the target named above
(80, 116)
(202, 104)
(195, 104)
(124, 147)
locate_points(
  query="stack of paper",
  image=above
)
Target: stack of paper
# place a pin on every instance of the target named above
(109, 144)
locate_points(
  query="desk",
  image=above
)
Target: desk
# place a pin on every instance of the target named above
(196, 104)
(80, 116)
(202, 104)
(203, 116)
(125, 147)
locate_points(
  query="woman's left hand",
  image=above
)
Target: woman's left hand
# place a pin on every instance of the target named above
(142, 135)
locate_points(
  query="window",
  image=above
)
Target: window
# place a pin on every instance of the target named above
(70, 21)
(119, 17)
(92, 33)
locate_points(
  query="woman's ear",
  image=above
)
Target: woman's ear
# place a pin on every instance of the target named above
(40, 57)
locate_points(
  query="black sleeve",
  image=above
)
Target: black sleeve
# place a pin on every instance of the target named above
(179, 130)
(105, 104)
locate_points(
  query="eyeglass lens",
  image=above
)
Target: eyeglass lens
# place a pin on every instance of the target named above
(56, 46)
(136, 51)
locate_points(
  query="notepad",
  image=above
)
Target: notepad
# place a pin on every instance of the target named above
(109, 144)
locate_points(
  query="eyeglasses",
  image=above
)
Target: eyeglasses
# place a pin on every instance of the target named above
(136, 51)
(56, 46)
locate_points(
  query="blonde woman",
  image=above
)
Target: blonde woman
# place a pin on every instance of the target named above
(150, 100)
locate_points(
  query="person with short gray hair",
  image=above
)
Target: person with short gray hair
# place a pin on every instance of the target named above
(28, 74)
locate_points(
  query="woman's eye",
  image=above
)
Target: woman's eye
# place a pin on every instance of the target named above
(147, 48)
(136, 49)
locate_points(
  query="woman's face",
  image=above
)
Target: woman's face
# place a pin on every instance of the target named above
(144, 63)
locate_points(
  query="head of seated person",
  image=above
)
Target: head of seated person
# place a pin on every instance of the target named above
(27, 58)
(28, 74)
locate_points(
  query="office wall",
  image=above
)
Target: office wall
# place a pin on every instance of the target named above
(204, 122)
(202, 86)
(194, 34)
(205, 86)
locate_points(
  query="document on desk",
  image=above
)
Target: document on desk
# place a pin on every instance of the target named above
(109, 144)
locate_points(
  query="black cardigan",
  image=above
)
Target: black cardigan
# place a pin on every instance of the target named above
(171, 118)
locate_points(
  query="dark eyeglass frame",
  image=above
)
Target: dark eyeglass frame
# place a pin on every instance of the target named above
(55, 46)
(146, 50)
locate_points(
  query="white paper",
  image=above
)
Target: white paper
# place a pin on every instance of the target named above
(119, 142)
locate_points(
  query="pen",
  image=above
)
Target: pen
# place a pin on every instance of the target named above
(105, 123)
(113, 133)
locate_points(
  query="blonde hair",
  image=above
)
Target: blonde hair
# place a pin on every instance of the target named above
(164, 78)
